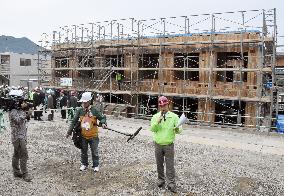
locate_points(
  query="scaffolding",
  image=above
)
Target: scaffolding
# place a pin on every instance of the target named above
(223, 74)
(44, 61)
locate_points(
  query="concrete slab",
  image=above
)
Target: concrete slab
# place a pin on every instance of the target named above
(259, 142)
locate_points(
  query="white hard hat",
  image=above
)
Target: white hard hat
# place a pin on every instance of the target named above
(87, 96)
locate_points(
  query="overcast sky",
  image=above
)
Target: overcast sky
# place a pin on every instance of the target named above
(31, 18)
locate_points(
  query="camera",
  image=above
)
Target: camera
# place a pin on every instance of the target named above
(9, 103)
(13, 100)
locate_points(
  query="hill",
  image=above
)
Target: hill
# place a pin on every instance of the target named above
(17, 45)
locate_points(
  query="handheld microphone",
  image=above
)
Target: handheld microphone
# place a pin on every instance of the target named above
(164, 116)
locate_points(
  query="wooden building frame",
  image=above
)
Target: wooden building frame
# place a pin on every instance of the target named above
(222, 75)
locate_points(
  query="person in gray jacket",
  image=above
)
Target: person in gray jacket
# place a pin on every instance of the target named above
(50, 104)
(18, 118)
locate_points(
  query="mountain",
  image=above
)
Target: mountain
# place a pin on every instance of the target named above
(17, 45)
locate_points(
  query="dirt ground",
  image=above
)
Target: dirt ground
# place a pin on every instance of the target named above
(129, 168)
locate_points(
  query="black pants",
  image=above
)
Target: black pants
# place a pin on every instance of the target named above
(63, 114)
(37, 115)
(51, 115)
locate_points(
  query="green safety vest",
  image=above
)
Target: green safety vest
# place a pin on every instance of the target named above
(31, 97)
(118, 77)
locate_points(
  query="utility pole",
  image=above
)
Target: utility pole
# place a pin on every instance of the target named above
(38, 72)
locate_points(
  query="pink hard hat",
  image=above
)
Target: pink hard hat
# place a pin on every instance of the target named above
(163, 101)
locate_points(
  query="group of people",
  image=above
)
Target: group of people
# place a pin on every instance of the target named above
(44, 100)
(163, 126)
(48, 101)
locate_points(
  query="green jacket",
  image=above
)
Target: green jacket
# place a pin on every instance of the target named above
(80, 112)
(118, 77)
(164, 132)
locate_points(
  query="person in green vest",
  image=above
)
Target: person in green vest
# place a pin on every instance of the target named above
(31, 95)
(163, 126)
(118, 78)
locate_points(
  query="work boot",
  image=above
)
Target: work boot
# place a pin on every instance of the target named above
(18, 175)
(27, 177)
(173, 189)
(161, 184)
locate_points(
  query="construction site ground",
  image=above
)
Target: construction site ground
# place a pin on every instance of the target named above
(208, 161)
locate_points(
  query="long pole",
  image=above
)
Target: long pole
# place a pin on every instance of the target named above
(273, 70)
(240, 83)
(38, 75)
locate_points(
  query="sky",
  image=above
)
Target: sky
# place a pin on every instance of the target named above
(32, 18)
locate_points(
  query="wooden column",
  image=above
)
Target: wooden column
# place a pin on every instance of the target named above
(205, 114)
(251, 112)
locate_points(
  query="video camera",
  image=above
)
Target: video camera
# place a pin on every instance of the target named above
(9, 103)
(14, 101)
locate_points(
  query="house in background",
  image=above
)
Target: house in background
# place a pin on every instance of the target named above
(20, 69)
(22, 62)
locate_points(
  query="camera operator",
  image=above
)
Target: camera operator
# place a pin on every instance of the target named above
(18, 118)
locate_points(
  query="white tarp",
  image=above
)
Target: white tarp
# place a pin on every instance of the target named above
(65, 81)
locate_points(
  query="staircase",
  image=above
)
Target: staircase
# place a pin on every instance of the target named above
(103, 76)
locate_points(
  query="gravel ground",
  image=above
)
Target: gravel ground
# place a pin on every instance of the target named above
(129, 168)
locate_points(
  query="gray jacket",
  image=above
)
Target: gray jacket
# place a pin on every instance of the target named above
(50, 103)
(18, 119)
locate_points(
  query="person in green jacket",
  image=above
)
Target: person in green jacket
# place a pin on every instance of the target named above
(163, 126)
(88, 116)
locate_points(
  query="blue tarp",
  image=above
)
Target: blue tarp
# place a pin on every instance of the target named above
(280, 124)
(268, 85)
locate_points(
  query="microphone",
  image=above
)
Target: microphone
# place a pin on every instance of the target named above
(164, 116)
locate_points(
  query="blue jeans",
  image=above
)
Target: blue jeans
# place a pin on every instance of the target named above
(94, 143)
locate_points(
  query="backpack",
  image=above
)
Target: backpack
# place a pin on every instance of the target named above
(77, 137)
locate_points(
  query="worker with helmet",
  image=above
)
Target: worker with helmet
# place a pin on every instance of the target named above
(163, 126)
(87, 116)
